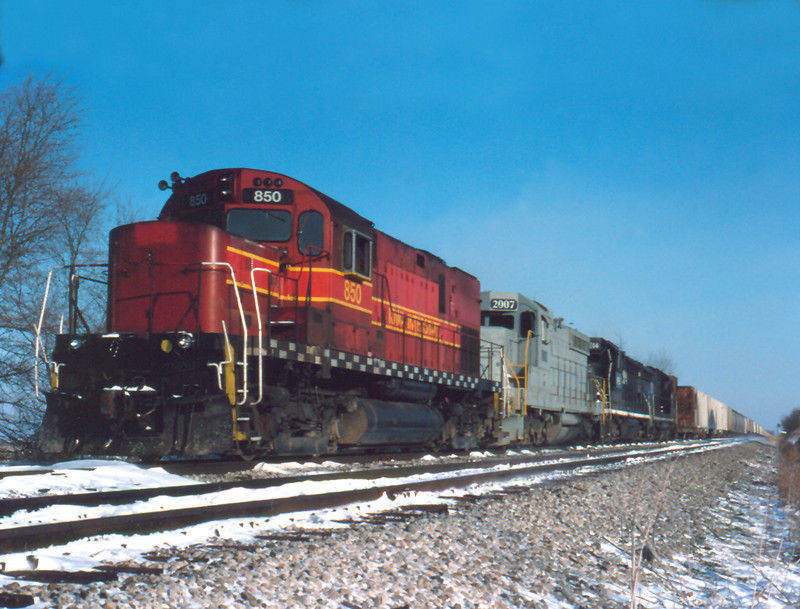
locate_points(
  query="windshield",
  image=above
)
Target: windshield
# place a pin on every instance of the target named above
(260, 224)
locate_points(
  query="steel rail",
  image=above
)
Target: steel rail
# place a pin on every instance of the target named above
(25, 538)
(11, 505)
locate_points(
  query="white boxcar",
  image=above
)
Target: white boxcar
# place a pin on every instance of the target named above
(702, 415)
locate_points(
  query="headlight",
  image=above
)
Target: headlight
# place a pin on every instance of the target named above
(77, 342)
(185, 340)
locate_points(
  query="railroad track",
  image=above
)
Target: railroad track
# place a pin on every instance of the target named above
(264, 498)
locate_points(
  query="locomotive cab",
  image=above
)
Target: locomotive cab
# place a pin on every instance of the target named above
(543, 371)
(638, 400)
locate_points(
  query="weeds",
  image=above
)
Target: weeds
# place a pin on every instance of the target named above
(644, 550)
(789, 471)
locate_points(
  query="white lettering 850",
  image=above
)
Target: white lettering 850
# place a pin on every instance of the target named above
(267, 196)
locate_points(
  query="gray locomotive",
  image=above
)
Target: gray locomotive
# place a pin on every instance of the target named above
(560, 385)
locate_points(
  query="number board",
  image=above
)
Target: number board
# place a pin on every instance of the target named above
(503, 304)
(198, 199)
(267, 195)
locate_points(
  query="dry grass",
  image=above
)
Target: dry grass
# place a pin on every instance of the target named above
(789, 472)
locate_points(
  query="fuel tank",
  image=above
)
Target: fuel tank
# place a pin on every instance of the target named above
(374, 422)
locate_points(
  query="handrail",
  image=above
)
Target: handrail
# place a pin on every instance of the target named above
(38, 327)
(228, 355)
(516, 379)
(38, 330)
(601, 391)
(260, 328)
(243, 323)
(488, 350)
(527, 346)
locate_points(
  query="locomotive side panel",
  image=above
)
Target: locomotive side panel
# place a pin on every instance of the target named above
(664, 387)
(463, 308)
(427, 312)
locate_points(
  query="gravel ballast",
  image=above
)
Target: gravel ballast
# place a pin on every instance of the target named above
(709, 524)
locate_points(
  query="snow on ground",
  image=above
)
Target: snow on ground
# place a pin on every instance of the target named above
(727, 574)
(87, 476)
(100, 475)
(81, 476)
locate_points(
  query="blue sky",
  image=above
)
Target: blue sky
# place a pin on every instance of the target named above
(634, 166)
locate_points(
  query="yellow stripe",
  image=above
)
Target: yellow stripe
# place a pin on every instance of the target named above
(316, 299)
(349, 305)
(294, 267)
(431, 339)
(315, 270)
(410, 313)
(252, 256)
(249, 288)
(405, 330)
(418, 314)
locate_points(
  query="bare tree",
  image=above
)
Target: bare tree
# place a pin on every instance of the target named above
(791, 421)
(48, 218)
(662, 359)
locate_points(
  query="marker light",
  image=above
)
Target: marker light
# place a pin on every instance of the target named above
(77, 342)
(186, 340)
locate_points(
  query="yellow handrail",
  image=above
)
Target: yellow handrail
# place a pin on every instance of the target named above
(601, 391)
(527, 346)
(516, 378)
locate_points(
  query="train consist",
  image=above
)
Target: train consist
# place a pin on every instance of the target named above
(259, 316)
(700, 415)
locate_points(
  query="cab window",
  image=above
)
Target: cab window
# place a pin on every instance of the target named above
(357, 254)
(497, 320)
(310, 233)
(260, 224)
(527, 323)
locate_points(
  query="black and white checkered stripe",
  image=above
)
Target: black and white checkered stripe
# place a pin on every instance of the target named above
(299, 352)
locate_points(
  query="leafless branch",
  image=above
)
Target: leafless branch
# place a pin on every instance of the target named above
(48, 217)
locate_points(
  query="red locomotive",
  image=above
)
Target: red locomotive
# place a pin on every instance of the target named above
(258, 315)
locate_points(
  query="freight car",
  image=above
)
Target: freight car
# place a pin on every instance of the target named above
(702, 416)
(257, 315)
